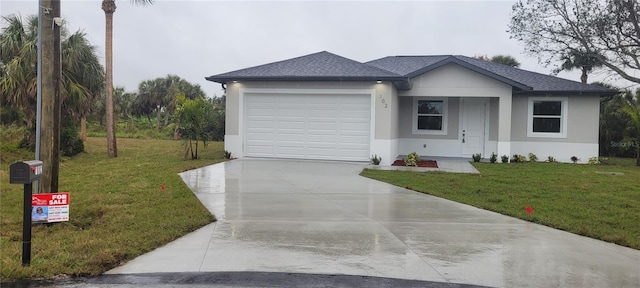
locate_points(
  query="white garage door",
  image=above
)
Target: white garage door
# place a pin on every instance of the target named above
(328, 127)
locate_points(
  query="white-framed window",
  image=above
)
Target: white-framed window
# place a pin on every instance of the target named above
(547, 117)
(429, 115)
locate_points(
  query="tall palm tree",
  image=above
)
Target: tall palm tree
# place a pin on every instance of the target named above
(109, 7)
(578, 60)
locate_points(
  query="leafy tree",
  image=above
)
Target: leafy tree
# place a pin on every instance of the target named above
(633, 110)
(196, 119)
(619, 135)
(506, 60)
(109, 7)
(607, 31)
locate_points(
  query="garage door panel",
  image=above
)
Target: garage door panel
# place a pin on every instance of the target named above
(333, 127)
(264, 137)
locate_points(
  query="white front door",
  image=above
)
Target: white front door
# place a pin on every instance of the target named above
(473, 126)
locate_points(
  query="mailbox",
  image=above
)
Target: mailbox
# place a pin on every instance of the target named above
(25, 172)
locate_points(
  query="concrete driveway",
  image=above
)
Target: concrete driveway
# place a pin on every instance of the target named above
(322, 218)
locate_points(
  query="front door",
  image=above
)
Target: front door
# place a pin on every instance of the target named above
(473, 126)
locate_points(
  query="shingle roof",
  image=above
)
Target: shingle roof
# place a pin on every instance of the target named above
(325, 66)
(526, 81)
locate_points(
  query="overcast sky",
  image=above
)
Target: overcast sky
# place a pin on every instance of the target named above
(195, 39)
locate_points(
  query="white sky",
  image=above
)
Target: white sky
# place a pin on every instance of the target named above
(195, 39)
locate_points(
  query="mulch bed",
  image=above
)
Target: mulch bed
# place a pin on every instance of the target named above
(420, 163)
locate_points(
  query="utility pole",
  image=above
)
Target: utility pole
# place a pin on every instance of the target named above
(51, 103)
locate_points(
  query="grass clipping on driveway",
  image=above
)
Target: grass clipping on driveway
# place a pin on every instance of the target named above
(117, 209)
(576, 198)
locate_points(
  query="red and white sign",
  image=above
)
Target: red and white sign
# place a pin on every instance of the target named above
(50, 207)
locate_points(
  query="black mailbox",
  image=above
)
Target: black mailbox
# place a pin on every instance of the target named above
(25, 172)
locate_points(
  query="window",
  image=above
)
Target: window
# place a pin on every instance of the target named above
(547, 117)
(429, 116)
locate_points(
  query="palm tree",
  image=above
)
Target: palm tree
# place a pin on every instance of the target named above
(83, 78)
(80, 78)
(18, 57)
(82, 75)
(578, 60)
(109, 7)
(153, 93)
(506, 60)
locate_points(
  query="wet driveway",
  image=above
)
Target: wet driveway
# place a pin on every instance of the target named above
(323, 218)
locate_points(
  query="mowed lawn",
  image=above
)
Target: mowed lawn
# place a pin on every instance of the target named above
(581, 199)
(117, 208)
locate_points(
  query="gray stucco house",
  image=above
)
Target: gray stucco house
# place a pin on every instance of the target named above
(324, 106)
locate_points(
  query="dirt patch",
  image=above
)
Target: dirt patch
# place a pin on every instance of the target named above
(420, 163)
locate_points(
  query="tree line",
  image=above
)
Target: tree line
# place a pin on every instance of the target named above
(83, 95)
(587, 35)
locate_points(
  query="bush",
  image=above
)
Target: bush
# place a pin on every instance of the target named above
(533, 157)
(73, 148)
(594, 161)
(227, 154)
(70, 142)
(493, 158)
(517, 158)
(476, 157)
(550, 159)
(574, 159)
(375, 159)
(412, 159)
(505, 159)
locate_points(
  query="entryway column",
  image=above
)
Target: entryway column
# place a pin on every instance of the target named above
(504, 125)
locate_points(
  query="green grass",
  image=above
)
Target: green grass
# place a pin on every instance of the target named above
(570, 197)
(117, 209)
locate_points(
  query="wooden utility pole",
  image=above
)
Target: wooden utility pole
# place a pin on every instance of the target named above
(51, 103)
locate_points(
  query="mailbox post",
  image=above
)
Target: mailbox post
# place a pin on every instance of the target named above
(25, 173)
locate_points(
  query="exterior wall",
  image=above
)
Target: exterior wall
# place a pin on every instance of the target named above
(454, 82)
(391, 125)
(406, 120)
(583, 116)
(384, 105)
(494, 123)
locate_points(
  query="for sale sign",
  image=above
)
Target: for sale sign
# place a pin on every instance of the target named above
(50, 207)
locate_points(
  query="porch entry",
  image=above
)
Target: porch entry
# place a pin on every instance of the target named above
(472, 130)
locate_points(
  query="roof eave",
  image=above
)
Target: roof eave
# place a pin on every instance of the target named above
(567, 92)
(225, 79)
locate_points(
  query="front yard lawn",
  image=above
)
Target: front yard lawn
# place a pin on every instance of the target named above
(119, 208)
(582, 199)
